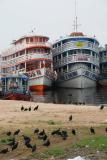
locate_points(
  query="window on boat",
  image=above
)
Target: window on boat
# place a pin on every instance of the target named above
(104, 53)
(22, 65)
(65, 69)
(59, 44)
(32, 65)
(93, 67)
(17, 54)
(78, 51)
(100, 54)
(27, 40)
(31, 39)
(59, 56)
(13, 55)
(64, 54)
(89, 66)
(74, 52)
(93, 53)
(70, 52)
(22, 53)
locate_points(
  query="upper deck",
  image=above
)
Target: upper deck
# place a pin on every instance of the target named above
(76, 40)
(27, 42)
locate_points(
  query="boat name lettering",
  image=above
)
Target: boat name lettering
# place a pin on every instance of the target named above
(69, 75)
(34, 73)
(81, 58)
(90, 75)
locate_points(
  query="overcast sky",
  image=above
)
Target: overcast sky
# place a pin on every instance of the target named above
(53, 18)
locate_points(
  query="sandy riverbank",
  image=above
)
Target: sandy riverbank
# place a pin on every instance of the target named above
(49, 117)
(12, 116)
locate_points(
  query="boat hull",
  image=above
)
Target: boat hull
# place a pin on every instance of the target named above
(17, 96)
(78, 82)
(80, 78)
(40, 83)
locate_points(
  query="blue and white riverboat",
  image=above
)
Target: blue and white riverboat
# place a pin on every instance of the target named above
(103, 66)
(76, 61)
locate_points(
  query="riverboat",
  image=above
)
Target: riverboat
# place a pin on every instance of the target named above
(103, 66)
(76, 61)
(15, 87)
(30, 55)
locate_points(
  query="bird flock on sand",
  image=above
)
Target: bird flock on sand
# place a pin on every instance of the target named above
(41, 135)
(29, 109)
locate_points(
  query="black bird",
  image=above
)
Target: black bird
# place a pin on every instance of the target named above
(26, 139)
(28, 145)
(47, 143)
(45, 137)
(80, 103)
(22, 108)
(25, 109)
(34, 148)
(36, 130)
(64, 135)
(8, 133)
(70, 118)
(4, 151)
(17, 132)
(92, 130)
(73, 131)
(101, 107)
(15, 146)
(36, 108)
(40, 136)
(54, 101)
(55, 131)
(41, 133)
(76, 103)
(29, 108)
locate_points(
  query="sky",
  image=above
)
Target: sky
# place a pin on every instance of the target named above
(52, 18)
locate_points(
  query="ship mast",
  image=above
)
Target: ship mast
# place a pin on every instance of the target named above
(76, 25)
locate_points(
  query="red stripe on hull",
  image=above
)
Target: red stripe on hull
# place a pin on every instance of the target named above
(38, 87)
(17, 96)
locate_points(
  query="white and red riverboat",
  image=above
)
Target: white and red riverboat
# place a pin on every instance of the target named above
(30, 55)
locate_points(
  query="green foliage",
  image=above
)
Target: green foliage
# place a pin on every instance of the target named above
(54, 151)
(99, 142)
(51, 122)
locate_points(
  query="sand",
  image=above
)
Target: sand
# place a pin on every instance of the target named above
(11, 115)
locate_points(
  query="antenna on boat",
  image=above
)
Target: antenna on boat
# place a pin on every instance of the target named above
(75, 25)
(33, 30)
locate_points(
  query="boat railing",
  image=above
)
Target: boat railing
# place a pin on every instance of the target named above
(76, 58)
(17, 48)
(25, 57)
(71, 46)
